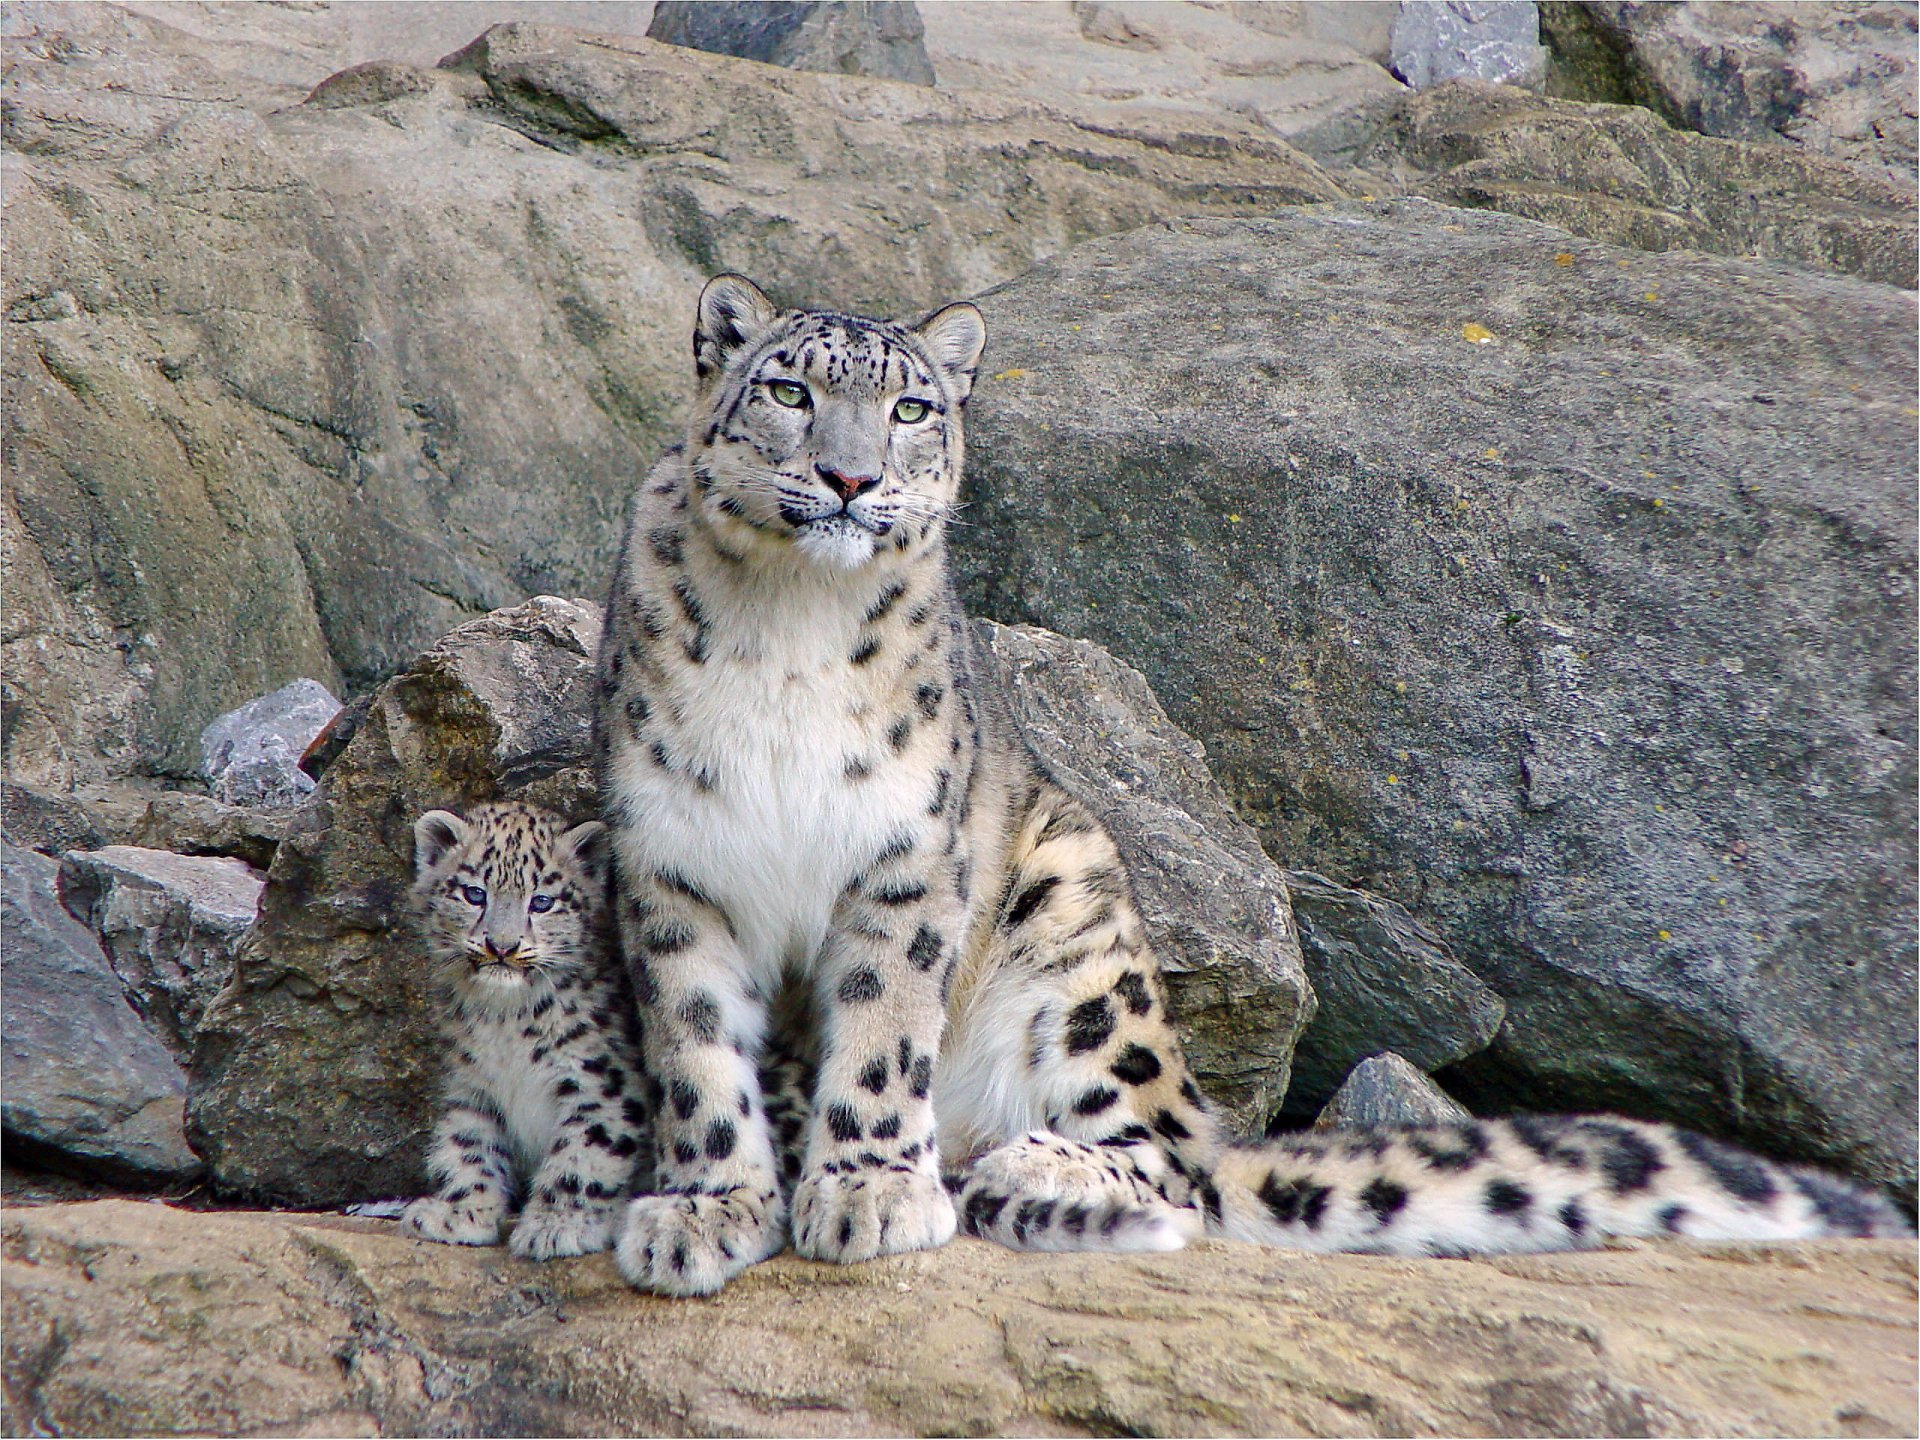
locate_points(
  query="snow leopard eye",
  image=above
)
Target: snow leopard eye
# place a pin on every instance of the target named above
(910, 412)
(790, 393)
(540, 904)
(474, 894)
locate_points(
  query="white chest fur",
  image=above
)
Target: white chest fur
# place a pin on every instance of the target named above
(523, 1091)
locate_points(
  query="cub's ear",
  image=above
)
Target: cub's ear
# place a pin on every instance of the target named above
(954, 337)
(586, 843)
(436, 834)
(732, 312)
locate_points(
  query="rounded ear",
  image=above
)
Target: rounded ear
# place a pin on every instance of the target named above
(732, 312)
(435, 835)
(954, 337)
(586, 843)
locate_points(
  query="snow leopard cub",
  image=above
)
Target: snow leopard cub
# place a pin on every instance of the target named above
(545, 1096)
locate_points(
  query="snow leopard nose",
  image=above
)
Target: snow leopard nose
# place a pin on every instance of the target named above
(503, 949)
(847, 487)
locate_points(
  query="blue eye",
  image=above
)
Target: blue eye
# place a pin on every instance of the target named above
(540, 904)
(474, 894)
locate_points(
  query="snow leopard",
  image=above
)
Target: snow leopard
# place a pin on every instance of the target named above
(833, 856)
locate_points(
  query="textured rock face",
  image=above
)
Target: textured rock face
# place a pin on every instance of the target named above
(137, 1319)
(1562, 594)
(251, 756)
(881, 38)
(88, 1087)
(1386, 1090)
(1493, 40)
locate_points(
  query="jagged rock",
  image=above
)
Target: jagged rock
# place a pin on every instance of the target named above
(881, 38)
(1386, 1090)
(1561, 593)
(125, 1318)
(1216, 906)
(171, 926)
(1383, 981)
(40, 820)
(1493, 40)
(89, 1088)
(251, 755)
(199, 825)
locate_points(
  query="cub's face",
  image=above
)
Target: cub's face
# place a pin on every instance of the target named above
(828, 436)
(507, 897)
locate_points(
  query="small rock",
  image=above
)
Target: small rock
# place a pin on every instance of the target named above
(171, 926)
(88, 1087)
(43, 820)
(252, 755)
(1498, 40)
(1385, 1090)
(199, 825)
(883, 38)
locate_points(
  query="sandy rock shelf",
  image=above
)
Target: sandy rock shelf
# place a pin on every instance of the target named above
(127, 1317)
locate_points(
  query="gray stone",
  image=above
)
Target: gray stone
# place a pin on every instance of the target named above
(190, 824)
(251, 755)
(1386, 1090)
(1383, 981)
(882, 38)
(1215, 905)
(1563, 594)
(1434, 41)
(171, 926)
(88, 1088)
(40, 820)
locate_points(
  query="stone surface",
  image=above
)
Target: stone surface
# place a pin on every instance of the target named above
(138, 1319)
(881, 38)
(199, 825)
(1386, 1090)
(1216, 906)
(1563, 594)
(1621, 174)
(37, 820)
(1383, 981)
(251, 756)
(1497, 41)
(88, 1087)
(171, 926)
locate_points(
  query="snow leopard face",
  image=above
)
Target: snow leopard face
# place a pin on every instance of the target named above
(507, 897)
(829, 436)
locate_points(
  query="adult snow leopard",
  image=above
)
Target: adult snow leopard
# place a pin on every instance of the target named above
(834, 860)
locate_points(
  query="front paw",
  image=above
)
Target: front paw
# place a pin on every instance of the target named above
(844, 1218)
(546, 1232)
(463, 1222)
(694, 1244)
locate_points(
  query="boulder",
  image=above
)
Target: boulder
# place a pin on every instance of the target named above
(171, 926)
(49, 822)
(881, 38)
(1386, 1090)
(190, 824)
(1560, 593)
(1493, 40)
(140, 1319)
(251, 756)
(89, 1088)
(1383, 981)
(1215, 905)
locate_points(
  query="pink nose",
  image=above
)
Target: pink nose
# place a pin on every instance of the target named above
(846, 486)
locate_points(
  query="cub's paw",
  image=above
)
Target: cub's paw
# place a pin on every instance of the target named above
(844, 1218)
(546, 1232)
(694, 1244)
(452, 1222)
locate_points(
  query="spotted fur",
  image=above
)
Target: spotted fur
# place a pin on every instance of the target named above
(835, 863)
(545, 1093)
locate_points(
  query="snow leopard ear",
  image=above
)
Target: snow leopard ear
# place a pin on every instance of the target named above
(954, 337)
(732, 312)
(587, 844)
(436, 834)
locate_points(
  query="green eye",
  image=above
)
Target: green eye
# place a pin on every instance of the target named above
(910, 412)
(790, 393)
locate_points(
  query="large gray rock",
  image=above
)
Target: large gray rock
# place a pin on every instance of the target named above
(88, 1088)
(1493, 40)
(251, 756)
(882, 38)
(1383, 981)
(1564, 594)
(171, 926)
(189, 824)
(1387, 1090)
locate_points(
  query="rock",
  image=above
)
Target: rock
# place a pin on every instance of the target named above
(252, 755)
(315, 1072)
(1386, 1090)
(1383, 981)
(89, 1088)
(881, 38)
(1563, 594)
(40, 820)
(1835, 80)
(1493, 40)
(1620, 174)
(199, 825)
(171, 926)
(1216, 906)
(140, 1319)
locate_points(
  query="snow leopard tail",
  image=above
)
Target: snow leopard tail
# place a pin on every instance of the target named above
(1044, 1192)
(1525, 1184)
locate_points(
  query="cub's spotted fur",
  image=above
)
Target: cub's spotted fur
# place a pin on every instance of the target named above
(544, 1089)
(836, 863)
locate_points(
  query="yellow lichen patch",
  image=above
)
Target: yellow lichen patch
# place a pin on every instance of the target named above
(1565, 257)
(1015, 374)
(1666, 934)
(1476, 334)
(1492, 453)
